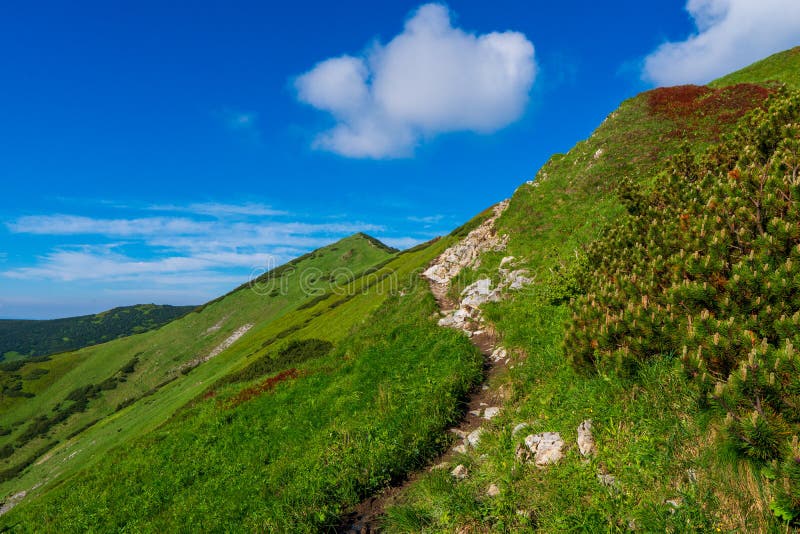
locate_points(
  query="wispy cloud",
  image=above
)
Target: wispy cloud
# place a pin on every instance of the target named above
(237, 119)
(429, 219)
(155, 247)
(80, 225)
(217, 209)
(105, 263)
(401, 242)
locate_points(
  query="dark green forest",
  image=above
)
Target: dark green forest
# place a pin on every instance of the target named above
(40, 338)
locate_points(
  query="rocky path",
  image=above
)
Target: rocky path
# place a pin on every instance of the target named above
(483, 402)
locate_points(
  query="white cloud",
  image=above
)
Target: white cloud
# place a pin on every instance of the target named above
(197, 250)
(218, 209)
(428, 219)
(79, 225)
(731, 34)
(237, 119)
(430, 79)
(401, 243)
(104, 263)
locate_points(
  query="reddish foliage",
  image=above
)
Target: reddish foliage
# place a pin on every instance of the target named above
(675, 102)
(254, 391)
(209, 394)
(689, 104)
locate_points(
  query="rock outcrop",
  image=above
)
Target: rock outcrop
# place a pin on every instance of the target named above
(586, 442)
(547, 448)
(468, 251)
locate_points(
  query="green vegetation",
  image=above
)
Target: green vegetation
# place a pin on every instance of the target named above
(665, 460)
(780, 68)
(41, 338)
(37, 413)
(664, 251)
(706, 266)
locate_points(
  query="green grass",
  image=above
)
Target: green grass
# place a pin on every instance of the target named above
(290, 457)
(332, 395)
(652, 436)
(783, 67)
(157, 387)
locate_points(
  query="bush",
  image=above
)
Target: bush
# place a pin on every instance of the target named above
(708, 266)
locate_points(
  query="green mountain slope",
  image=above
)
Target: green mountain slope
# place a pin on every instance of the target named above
(357, 378)
(43, 401)
(40, 338)
(330, 384)
(783, 67)
(662, 461)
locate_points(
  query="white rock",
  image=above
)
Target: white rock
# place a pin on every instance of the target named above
(474, 437)
(476, 413)
(499, 354)
(467, 252)
(460, 472)
(460, 448)
(458, 432)
(586, 442)
(547, 447)
(606, 479)
(505, 260)
(490, 412)
(493, 491)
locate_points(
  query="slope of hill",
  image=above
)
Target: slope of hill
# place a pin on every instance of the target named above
(783, 67)
(661, 461)
(278, 407)
(317, 396)
(19, 338)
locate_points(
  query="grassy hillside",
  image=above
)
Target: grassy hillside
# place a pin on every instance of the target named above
(19, 338)
(344, 383)
(783, 67)
(298, 420)
(44, 402)
(661, 464)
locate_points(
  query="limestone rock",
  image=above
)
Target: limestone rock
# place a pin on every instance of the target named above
(605, 479)
(547, 447)
(474, 437)
(586, 442)
(493, 491)
(460, 472)
(467, 252)
(490, 412)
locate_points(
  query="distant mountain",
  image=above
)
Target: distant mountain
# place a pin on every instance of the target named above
(40, 338)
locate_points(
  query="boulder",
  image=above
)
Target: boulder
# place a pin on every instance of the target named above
(586, 442)
(490, 412)
(546, 447)
(474, 437)
(460, 472)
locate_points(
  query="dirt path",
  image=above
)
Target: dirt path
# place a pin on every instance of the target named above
(366, 516)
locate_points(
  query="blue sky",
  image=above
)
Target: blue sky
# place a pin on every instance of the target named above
(162, 151)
